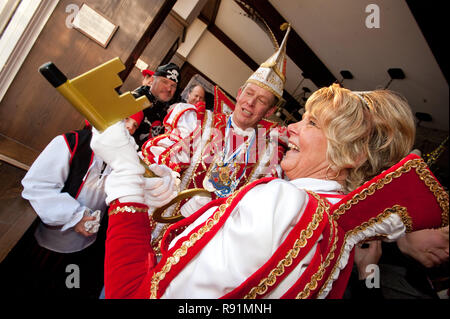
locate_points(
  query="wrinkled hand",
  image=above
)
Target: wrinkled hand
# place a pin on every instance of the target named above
(159, 191)
(92, 226)
(367, 256)
(427, 246)
(117, 148)
(79, 227)
(194, 204)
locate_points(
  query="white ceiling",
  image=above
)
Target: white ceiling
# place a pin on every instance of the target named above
(336, 32)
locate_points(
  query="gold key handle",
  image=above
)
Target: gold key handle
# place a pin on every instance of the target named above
(157, 214)
(93, 93)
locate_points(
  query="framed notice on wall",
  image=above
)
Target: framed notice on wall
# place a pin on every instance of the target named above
(94, 25)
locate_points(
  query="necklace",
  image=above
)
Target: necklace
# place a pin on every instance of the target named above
(222, 179)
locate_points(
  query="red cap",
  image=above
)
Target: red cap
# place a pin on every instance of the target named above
(156, 123)
(138, 117)
(146, 72)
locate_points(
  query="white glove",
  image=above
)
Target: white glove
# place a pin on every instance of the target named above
(91, 226)
(162, 189)
(194, 204)
(117, 148)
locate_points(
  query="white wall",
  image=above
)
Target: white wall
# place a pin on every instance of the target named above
(193, 33)
(217, 62)
(188, 10)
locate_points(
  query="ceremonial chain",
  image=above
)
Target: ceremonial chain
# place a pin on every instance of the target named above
(434, 155)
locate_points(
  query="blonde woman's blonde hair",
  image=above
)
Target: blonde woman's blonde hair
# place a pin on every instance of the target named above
(367, 132)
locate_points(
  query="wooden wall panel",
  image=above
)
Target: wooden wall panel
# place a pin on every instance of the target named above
(32, 111)
(156, 50)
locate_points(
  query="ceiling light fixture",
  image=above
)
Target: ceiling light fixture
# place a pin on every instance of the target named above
(346, 75)
(423, 117)
(304, 76)
(395, 74)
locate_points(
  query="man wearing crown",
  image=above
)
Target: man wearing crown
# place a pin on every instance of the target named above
(220, 152)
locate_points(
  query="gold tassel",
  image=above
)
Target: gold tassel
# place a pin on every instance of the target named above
(284, 26)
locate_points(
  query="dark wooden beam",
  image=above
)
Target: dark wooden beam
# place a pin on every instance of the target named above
(147, 36)
(215, 11)
(297, 49)
(209, 12)
(432, 20)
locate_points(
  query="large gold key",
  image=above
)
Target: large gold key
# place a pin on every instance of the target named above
(93, 94)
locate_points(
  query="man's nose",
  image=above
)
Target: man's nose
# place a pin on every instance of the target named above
(251, 101)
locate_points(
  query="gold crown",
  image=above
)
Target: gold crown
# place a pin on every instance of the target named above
(271, 75)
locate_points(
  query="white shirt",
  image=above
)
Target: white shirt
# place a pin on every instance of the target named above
(249, 237)
(42, 187)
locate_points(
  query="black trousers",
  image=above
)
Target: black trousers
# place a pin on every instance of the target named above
(30, 270)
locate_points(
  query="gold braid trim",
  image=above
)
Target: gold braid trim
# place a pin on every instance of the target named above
(193, 238)
(127, 209)
(434, 186)
(265, 86)
(421, 169)
(396, 209)
(305, 234)
(312, 285)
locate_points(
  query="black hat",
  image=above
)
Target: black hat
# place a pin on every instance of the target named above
(170, 71)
